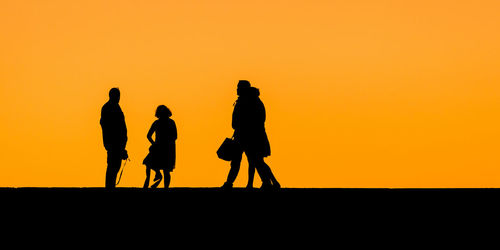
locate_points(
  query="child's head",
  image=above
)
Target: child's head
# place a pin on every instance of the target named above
(163, 112)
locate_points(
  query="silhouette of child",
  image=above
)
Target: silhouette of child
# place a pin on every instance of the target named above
(162, 151)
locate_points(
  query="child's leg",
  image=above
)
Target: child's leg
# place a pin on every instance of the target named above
(157, 175)
(166, 181)
(146, 182)
(158, 178)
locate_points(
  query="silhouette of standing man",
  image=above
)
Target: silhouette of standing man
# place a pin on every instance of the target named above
(114, 135)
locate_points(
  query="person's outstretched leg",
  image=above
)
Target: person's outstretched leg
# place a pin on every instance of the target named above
(258, 163)
(157, 179)
(233, 172)
(273, 179)
(158, 175)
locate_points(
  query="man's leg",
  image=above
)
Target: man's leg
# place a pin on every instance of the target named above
(114, 164)
(251, 174)
(235, 168)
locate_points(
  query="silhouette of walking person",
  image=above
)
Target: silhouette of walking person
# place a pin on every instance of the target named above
(114, 135)
(162, 150)
(248, 122)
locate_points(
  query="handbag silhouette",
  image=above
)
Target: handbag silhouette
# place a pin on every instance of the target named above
(228, 149)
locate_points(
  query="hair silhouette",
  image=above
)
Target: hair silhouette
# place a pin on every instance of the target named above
(163, 111)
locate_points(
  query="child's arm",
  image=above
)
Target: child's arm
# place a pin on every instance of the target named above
(150, 133)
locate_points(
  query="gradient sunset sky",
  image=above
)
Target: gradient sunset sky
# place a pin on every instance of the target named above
(359, 93)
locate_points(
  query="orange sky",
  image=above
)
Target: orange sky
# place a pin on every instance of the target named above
(359, 93)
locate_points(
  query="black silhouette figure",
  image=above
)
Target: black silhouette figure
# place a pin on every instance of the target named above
(114, 135)
(162, 150)
(249, 116)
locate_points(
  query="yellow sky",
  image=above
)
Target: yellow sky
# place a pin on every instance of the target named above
(358, 93)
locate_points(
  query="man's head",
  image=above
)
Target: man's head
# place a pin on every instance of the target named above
(114, 95)
(242, 85)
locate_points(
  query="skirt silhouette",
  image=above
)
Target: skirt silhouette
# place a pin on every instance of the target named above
(161, 157)
(255, 142)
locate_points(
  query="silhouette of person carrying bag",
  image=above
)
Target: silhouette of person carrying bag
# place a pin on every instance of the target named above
(162, 150)
(114, 135)
(249, 116)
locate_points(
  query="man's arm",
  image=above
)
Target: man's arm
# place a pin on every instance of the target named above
(125, 133)
(236, 114)
(104, 126)
(150, 133)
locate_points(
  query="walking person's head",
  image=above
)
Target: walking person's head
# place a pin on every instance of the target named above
(242, 86)
(253, 92)
(114, 95)
(163, 112)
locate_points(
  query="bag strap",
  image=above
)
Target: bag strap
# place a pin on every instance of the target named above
(123, 168)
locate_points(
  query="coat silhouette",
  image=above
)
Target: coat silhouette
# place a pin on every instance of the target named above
(249, 116)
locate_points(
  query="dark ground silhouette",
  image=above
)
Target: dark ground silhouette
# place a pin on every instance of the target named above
(291, 199)
(284, 217)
